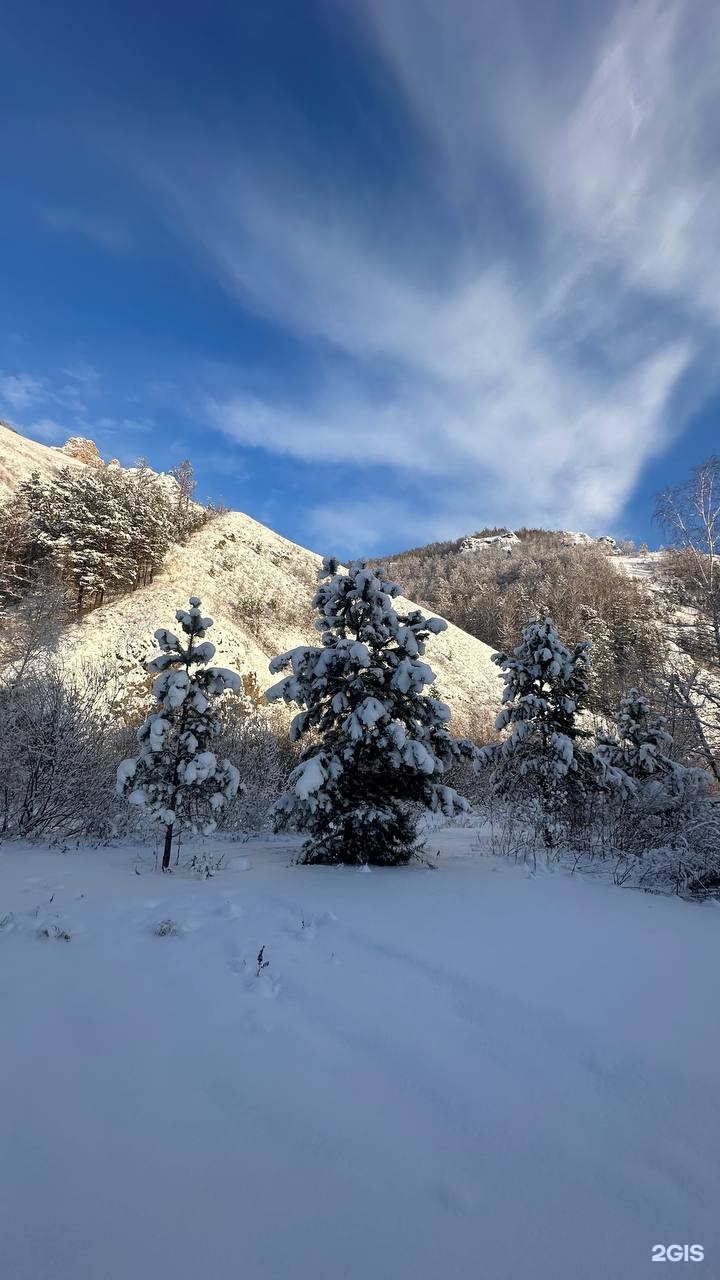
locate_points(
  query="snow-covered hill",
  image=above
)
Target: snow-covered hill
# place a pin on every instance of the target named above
(257, 586)
(19, 457)
(678, 621)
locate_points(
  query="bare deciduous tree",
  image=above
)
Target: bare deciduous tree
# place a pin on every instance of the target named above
(690, 515)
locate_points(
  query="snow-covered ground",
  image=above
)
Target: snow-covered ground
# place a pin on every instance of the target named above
(467, 1072)
(646, 567)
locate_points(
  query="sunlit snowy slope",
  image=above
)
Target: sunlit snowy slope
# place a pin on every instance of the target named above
(258, 587)
(20, 456)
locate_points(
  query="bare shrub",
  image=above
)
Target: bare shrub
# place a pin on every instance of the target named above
(256, 738)
(57, 753)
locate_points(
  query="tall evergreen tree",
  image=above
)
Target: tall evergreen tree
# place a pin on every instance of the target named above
(151, 519)
(35, 506)
(176, 777)
(379, 746)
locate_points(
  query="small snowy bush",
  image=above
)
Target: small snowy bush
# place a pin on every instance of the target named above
(166, 929)
(665, 816)
(256, 739)
(57, 931)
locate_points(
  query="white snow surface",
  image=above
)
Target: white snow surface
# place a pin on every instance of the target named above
(465, 1072)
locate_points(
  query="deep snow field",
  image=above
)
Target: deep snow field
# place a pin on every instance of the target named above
(473, 1071)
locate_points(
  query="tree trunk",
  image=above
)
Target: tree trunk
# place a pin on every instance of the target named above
(168, 847)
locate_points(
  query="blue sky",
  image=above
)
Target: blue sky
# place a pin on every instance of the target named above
(386, 270)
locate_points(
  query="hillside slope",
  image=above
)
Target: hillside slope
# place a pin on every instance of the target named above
(257, 586)
(19, 457)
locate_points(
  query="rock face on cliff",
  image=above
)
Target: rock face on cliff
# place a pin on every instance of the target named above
(82, 450)
(496, 541)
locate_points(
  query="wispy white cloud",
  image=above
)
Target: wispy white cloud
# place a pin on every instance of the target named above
(47, 430)
(53, 407)
(85, 375)
(113, 426)
(20, 391)
(103, 230)
(527, 390)
(23, 393)
(634, 168)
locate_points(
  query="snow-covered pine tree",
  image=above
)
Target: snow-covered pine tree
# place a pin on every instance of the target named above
(151, 519)
(640, 743)
(35, 533)
(80, 522)
(379, 745)
(15, 550)
(103, 529)
(546, 686)
(176, 777)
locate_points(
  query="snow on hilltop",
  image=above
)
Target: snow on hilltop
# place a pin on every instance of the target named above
(508, 541)
(570, 538)
(498, 541)
(257, 586)
(19, 457)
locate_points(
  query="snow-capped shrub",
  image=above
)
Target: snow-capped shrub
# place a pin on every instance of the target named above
(652, 820)
(166, 929)
(379, 745)
(677, 851)
(639, 746)
(542, 755)
(256, 739)
(663, 805)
